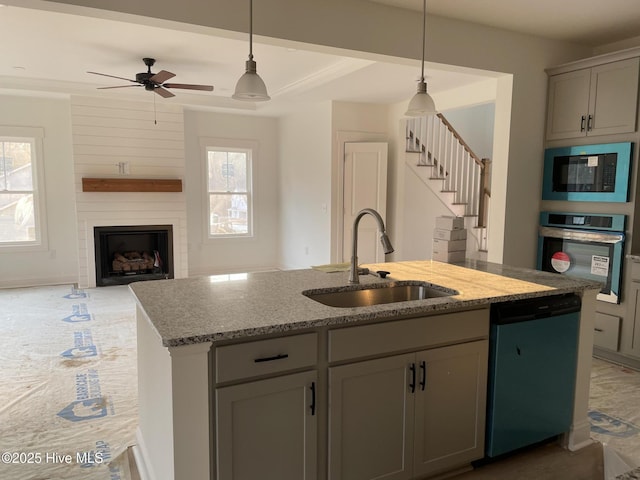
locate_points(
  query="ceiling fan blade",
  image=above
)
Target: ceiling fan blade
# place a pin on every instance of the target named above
(163, 93)
(119, 86)
(113, 76)
(188, 86)
(162, 76)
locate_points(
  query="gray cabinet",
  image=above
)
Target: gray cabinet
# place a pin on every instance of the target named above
(265, 409)
(267, 429)
(371, 420)
(410, 415)
(634, 309)
(601, 100)
(450, 407)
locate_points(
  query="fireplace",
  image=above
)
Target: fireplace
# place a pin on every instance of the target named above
(126, 254)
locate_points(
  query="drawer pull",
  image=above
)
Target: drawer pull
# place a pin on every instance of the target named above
(598, 329)
(271, 359)
(412, 385)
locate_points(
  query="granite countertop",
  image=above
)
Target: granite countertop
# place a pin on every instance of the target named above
(216, 308)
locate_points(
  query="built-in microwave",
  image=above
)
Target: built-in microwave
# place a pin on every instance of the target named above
(587, 173)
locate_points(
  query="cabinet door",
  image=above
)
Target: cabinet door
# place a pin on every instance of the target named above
(568, 104)
(635, 341)
(371, 419)
(613, 99)
(450, 406)
(266, 429)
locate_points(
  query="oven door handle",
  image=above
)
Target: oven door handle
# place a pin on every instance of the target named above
(581, 235)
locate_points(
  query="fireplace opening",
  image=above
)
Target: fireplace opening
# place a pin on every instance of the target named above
(126, 254)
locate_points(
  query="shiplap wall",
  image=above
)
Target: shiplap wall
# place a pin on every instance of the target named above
(106, 133)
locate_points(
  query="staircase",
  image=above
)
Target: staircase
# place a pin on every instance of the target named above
(439, 156)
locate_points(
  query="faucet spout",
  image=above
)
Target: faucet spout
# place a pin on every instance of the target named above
(384, 239)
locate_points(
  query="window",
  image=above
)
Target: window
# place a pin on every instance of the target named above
(19, 200)
(229, 191)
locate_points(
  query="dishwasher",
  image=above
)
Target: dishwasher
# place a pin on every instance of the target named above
(532, 366)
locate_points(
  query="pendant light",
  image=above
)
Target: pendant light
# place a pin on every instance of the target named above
(250, 87)
(422, 104)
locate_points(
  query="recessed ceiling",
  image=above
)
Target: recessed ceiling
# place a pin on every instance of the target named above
(51, 51)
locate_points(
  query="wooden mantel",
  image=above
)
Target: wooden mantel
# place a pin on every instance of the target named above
(131, 185)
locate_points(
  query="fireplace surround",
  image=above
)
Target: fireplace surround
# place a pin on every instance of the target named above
(126, 254)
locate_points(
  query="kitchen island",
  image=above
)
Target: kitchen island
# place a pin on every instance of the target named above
(205, 344)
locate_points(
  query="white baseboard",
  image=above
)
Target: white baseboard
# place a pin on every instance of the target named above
(579, 436)
(16, 282)
(140, 454)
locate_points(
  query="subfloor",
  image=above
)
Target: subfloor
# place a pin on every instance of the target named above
(68, 397)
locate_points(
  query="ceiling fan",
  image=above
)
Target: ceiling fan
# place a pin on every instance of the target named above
(155, 81)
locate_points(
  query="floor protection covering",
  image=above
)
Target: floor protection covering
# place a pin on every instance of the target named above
(68, 383)
(614, 413)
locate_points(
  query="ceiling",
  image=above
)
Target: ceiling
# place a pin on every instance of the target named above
(78, 44)
(587, 22)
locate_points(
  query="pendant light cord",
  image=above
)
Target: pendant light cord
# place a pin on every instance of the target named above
(251, 29)
(424, 33)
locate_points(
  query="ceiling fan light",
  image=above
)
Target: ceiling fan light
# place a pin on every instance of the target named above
(421, 104)
(250, 86)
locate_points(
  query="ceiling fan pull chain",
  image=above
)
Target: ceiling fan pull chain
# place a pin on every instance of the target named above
(155, 118)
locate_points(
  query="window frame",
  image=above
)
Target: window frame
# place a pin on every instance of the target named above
(34, 136)
(229, 145)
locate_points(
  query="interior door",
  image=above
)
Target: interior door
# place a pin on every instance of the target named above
(364, 186)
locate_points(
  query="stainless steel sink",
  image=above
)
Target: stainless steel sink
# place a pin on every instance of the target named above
(376, 294)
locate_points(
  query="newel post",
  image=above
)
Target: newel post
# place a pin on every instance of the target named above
(485, 192)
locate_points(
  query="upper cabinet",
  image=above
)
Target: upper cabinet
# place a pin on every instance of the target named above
(600, 100)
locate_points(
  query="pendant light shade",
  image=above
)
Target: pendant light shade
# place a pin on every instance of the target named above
(422, 104)
(250, 86)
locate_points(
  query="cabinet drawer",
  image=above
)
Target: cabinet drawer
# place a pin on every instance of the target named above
(413, 333)
(635, 271)
(607, 331)
(264, 357)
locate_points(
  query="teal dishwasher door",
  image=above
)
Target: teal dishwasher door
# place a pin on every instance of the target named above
(531, 381)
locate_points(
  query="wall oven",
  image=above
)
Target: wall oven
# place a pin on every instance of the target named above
(587, 173)
(584, 245)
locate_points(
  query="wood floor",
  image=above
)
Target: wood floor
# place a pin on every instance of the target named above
(546, 462)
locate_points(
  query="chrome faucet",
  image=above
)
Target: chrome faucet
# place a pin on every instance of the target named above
(384, 239)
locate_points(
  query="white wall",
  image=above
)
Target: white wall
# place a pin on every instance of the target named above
(305, 187)
(475, 126)
(207, 256)
(59, 262)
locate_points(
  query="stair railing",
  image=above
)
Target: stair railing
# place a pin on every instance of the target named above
(463, 172)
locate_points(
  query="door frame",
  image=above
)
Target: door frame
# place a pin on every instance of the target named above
(337, 186)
